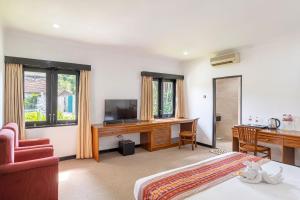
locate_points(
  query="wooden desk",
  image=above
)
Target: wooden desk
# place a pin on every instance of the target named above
(154, 135)
(287, 140)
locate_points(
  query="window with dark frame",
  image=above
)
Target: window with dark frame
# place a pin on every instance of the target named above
(164, 97)
(50, 97)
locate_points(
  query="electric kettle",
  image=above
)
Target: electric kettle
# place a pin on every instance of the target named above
(273, 123)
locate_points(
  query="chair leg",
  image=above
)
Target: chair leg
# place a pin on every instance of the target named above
(179, 146)
(195, 142)
(269, 153)
(193, 145)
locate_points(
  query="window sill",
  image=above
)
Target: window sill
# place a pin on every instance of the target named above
(49, 126)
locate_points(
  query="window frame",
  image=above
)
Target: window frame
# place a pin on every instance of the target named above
(55, 90)
(51, 97)
(48, 96)
(160, 98)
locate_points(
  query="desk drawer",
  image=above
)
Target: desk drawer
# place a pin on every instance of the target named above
(292, 142)
(113, 131)
(139, 129)
(268, 138)
(161, 136)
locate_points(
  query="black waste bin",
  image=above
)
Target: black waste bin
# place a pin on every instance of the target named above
(126, 147)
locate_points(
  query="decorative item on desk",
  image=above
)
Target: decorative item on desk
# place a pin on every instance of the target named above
(256, 120)
(288, 122)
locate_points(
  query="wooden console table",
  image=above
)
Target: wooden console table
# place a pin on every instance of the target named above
(287, 140)
(154, 135)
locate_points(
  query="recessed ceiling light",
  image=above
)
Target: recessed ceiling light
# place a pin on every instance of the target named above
(185, 53)
(56, 26)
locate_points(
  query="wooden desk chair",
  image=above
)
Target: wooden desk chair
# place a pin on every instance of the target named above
(248, 142)
(189, 136)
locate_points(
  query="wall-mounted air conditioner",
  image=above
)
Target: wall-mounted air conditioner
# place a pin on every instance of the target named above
(223, 59)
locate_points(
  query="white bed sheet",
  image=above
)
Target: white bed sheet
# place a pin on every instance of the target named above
(234, 189)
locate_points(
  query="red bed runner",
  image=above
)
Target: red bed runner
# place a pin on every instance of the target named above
(191, 180)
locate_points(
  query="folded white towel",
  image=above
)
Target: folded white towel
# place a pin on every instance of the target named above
(253, 173)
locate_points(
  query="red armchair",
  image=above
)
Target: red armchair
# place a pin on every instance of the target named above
(26, 144)
(26, 179)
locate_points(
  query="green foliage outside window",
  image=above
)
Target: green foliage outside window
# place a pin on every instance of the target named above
(67, 82)
(34, 116)
(155, 98)
(167, 98)
(30, 101)
(38, 116)
(63, 116)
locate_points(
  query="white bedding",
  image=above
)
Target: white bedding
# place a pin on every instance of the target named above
(234, 189)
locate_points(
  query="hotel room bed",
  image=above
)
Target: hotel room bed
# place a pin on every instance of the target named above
(234, 189)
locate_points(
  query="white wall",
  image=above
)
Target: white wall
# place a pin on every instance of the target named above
(271, 83)
(115, 74)
(1, 77)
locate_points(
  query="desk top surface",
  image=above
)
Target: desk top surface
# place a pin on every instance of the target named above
(280, 132)
(151, 122)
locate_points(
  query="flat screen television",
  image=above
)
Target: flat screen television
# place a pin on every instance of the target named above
(120, 110)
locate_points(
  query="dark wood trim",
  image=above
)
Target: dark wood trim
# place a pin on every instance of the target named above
(71, 157)
(46, 64)
(50, 125)
(214, 103)
(205, 145)
(162, 75)
(67, 158)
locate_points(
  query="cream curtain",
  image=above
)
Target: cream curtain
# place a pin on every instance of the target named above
(84, 135)
(179, 110)
(146, 98)
(13, 100)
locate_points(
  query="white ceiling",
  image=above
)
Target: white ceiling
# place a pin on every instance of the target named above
(164, 27)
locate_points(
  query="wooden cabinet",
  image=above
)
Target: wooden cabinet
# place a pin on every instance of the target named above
(161, 136)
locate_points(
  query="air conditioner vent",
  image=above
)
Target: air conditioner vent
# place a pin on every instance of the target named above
(225, 59)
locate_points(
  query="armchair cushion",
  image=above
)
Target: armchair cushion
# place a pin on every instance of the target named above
(31, 154)
(33, 142)
(33, 147)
